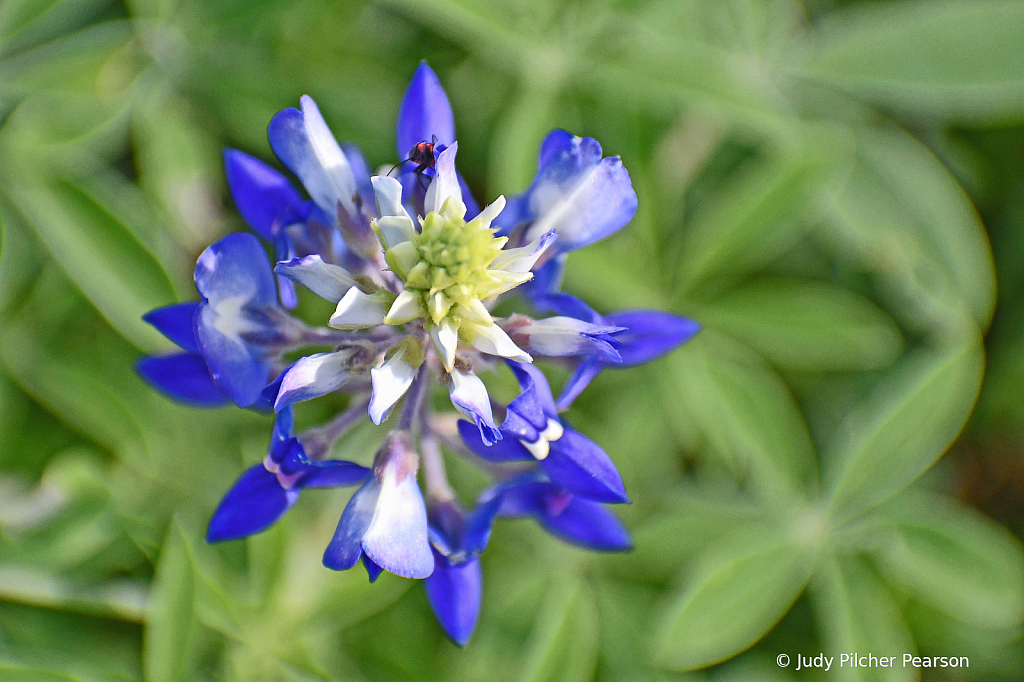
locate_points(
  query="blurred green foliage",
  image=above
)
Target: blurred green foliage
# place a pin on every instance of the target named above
(808, 176)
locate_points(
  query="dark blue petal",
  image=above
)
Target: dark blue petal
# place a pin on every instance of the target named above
(650, 334)
(183, 377)
(281, 439)
(577, 193)
(373, 571)
(568, 305)
(529, 376)
(580, 379)
(504, 450)
(577, 464)
(175, 322)
(264, 197)
(425, 113)
(515, 213)
(345, 548)
(331, 474)
(478, 526)
(454, 594)
(255, 502)
(588, 524)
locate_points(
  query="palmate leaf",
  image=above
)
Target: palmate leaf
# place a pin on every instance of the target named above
(904, 426)
(732, 605)
(858, 615)
(962, 60)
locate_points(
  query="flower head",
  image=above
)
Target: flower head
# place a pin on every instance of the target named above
(414, 271)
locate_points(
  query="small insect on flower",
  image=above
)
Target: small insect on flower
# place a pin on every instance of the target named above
(416, 271)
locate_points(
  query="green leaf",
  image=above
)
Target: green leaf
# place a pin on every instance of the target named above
(958, 59)
(171, 615)
(102, 257)
(808, 326)
(858, 615)
(732, 606)
(564, 642)
(954, 559)
(745, 412)
(904, 426)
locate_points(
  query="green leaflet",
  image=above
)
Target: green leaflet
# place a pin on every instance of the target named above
(563, 644)
(171, 616)
(905, 425)
(857, 614)
(745, 414)
(961, 60)
(806, 325)
(732, 606)
(953, 559)
(102, 257)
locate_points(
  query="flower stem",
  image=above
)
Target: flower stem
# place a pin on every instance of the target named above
(320, 440)
(434, 473)
(414, 399)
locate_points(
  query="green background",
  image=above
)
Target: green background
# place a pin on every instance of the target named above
(819, 185)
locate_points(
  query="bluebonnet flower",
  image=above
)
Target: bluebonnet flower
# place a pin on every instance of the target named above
(413, 269)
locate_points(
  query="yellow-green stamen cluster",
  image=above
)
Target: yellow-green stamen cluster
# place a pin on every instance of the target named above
(445, 268)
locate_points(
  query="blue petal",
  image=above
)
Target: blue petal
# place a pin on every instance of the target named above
(424, 114)
(235, 365)
(183, 377)
(236, 266)
(504, 450)
(264, 197)
(478, 526)
(303, 143)
(588, 524)
(373, 571)
(361, 173)
(472, 208)
(528, 375)
(650, 334)
(345, 548)
(175, 322)
(454, 593)
(313, 376)
(577, 464)
(577, 193)
(584, 373)
(281, 438)
(255, 502)
(572, 519)
(331, 474)
(397, 538)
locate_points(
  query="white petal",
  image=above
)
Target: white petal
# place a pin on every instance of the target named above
(446, 340)
(396, 229)
(388, 191)
(329, 154)
(491, 211)
(445, 184)
(469, 396)
(357, 309)
(313, 376)
(523, 258)
(397, 537)
(406, 307)
(493, 339)
(323, 279)
(390, 382)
